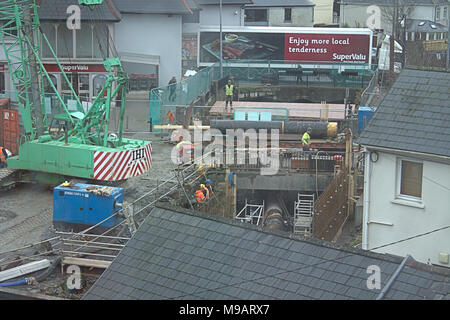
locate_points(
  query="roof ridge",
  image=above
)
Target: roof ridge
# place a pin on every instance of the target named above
(357, 251)
(113, 9)
(431, 69)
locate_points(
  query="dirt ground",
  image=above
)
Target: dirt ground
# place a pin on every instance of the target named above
(26, 211)
(26, 216)
(350, 236)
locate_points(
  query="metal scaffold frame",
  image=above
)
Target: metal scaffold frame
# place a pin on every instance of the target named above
(303, 214)
(251, 212)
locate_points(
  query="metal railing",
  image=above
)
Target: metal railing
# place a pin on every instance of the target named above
(298, 161)
(93, 246)
(165, 99)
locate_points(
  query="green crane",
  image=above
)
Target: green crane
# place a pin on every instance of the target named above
(86, 150)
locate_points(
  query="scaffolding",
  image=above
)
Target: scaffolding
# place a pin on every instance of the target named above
(251, 213)
(303, 214)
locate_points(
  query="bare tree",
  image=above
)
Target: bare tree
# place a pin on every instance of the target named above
(398, 10)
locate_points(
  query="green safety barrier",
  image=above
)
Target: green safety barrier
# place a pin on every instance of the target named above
(165, 99)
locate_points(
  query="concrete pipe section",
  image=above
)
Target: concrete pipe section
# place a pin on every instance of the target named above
(273, 216)
(319, 129)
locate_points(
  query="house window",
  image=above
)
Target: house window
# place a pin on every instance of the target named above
(410, 175)
(64, 41)
(84, 41)
(89, 42)
(287, 15)
(438, 13)
(255, 15)
(444, 14)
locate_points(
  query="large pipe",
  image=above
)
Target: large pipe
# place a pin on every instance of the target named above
(273, 217)
(223, 125)
(319, 129)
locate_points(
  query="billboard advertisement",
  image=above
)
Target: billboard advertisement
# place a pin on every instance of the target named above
(324, 46)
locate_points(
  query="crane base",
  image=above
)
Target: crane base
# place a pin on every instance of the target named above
(132, 159)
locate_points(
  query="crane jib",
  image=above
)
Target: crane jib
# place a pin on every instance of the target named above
(90, 2)
(86, 138)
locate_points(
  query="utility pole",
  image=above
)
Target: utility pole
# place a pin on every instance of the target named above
(404, 39)
(448, 43)
(392, 44)
(221, 44)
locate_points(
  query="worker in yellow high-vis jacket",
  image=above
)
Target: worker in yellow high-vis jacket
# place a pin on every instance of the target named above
(229, 95)
(306, 139)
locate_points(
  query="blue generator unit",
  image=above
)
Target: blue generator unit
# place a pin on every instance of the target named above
(79, 206)
(364, 116)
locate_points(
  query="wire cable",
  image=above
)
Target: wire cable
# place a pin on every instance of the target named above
(303, 266)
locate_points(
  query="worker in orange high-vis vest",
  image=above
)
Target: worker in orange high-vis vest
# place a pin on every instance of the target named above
(3, 156)
(200, 196)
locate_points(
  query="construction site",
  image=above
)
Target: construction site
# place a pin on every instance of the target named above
(82, 183)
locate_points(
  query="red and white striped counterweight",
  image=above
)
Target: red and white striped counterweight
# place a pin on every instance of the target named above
(121, 165)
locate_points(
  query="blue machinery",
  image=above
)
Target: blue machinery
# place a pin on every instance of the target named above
(79, 206)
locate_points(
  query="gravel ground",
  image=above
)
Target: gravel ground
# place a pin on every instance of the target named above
(24, 216)
(26, 211)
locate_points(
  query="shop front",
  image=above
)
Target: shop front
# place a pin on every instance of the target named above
(86, 79)
(142, 70)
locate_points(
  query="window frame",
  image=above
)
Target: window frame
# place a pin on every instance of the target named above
(398, 194)
(74, 44)
(290, 15)
(255, 10)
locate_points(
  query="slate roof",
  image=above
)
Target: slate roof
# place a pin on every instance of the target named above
(57, 10)
(418, 25)
(414, 115)
(153, 6)
(181, 254)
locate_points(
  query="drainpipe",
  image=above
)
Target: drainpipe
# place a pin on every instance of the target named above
(392, 279)
(365, 239)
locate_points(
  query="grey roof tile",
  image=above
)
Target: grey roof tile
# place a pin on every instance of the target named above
(417, 109)
(155, 265)
(56, 10)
